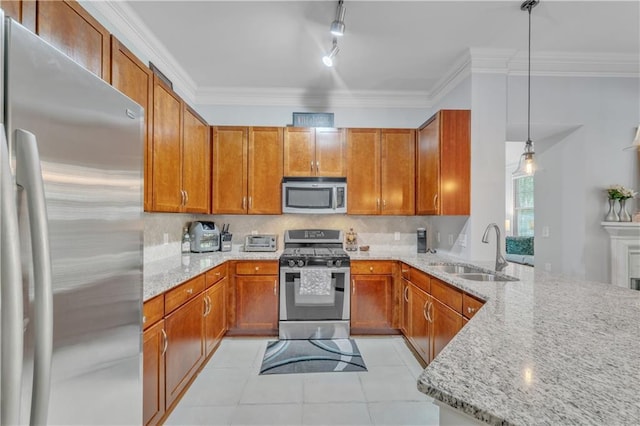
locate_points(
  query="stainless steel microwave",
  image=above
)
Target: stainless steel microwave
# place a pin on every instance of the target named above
(314, 195)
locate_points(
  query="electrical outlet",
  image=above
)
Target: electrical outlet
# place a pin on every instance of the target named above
(450, 239)
(165, 238)
(396, 236)
(462, 240)
(545, 231)
(547, 267)
(438, 236)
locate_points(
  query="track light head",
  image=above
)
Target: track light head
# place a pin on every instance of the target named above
(337, 26)
(328, 58)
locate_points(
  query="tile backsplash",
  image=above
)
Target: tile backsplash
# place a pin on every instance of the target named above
(375, 231)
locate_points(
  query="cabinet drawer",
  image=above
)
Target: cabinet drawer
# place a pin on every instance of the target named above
(184, 292)
(470, 305)
(446, 294)
(420, 279)
(152, 311)
(257, 268)
(371, 268)
(405, 270)
(216, 274)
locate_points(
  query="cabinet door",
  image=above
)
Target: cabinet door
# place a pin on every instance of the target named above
(330, 152)
(428, 168)
(12, 9)
(371, 302)
(398, 171)
(196, 163)
(153, 346)
(215, 324)
(363, 171)
(405, 318)
(419, 326)
(446, 324)
(167, 149)
(67, 26)
(265, 170)
(185, 349)
(257, 302)
(130, 76)
(455, 162)
(299, 156)
(229, 170)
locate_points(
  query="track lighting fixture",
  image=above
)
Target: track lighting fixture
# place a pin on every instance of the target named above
(526, 165)
(328, 58)
(337, 26)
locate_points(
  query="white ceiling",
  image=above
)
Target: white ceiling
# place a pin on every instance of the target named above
(388, 46)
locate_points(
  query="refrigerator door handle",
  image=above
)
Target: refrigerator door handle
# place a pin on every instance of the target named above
(29, 177)
(11, 290)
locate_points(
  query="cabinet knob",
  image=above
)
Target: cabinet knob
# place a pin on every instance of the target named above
(189, 291)
(371, 268)
(470, 309)
(217, 274)
(257, 268)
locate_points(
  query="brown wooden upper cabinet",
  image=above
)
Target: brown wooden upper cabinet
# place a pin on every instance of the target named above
(314, 152)
(181, 155)
(381, 171)
(67, 26)
(444, 164)
(247, 170)
(133, 78)
(16, 9)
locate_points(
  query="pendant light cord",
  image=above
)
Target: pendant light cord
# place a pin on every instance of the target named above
(529, 84)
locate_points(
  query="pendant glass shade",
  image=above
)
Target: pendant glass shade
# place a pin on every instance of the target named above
(527, 163)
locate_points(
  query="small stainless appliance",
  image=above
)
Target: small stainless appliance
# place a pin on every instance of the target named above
(314, 195)
(261, 242)
(314, 285)
(225, 238)
(205, 237)
(422, 240)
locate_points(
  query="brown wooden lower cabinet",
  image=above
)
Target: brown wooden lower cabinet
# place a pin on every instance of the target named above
(371, 303)
(445, 325)
(215, 319)
(185, 349)
(419, 327)
(153, 345)
(257, 302)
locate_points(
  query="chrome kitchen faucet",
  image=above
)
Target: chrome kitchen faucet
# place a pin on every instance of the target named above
(501, 263)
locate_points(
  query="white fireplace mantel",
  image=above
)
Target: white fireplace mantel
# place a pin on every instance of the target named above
(625, 252)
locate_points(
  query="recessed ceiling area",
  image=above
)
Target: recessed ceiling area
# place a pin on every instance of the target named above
(387, 46)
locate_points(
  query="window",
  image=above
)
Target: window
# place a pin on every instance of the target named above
(523, 206)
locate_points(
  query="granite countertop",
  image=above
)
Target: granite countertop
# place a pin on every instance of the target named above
(542, 350)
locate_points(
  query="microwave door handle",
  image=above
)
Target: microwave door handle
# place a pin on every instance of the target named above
(335, 197)
(12, 302)
(29, 177)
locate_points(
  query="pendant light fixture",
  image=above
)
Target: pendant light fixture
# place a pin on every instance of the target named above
(526, 165)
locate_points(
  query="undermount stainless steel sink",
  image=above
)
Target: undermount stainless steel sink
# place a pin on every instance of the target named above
(485, 277)
(457, 269)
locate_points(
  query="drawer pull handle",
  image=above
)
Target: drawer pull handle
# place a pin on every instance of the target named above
(189, 291)
(165, 340)
(144, 319)
(275, 288)
(217, 274)
(406, 294)
(470, 310)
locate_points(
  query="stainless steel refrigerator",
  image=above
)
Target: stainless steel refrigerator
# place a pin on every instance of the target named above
(71, 293)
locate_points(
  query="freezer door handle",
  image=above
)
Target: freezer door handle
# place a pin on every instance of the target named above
(29, 177)
(11, 290)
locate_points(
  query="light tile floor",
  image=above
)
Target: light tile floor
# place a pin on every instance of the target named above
(229, 390)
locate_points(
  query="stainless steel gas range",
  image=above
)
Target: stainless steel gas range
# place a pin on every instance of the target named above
(314, 285)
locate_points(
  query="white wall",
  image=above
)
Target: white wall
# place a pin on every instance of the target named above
(574, 169)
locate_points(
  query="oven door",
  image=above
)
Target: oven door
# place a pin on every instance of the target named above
(314, 294)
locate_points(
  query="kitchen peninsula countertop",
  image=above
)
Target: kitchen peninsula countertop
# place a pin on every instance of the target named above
(542, 350)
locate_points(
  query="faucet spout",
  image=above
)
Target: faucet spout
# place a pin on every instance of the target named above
(501, 262)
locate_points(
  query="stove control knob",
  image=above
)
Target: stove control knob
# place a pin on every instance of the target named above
(292, 263)
(338, 263)
(301, 263)
(329, 263)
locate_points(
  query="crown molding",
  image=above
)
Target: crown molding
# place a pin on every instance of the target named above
(237, 96)
(459, 71)
(126, 21)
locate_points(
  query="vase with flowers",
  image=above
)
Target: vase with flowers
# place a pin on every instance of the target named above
(622, 194)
